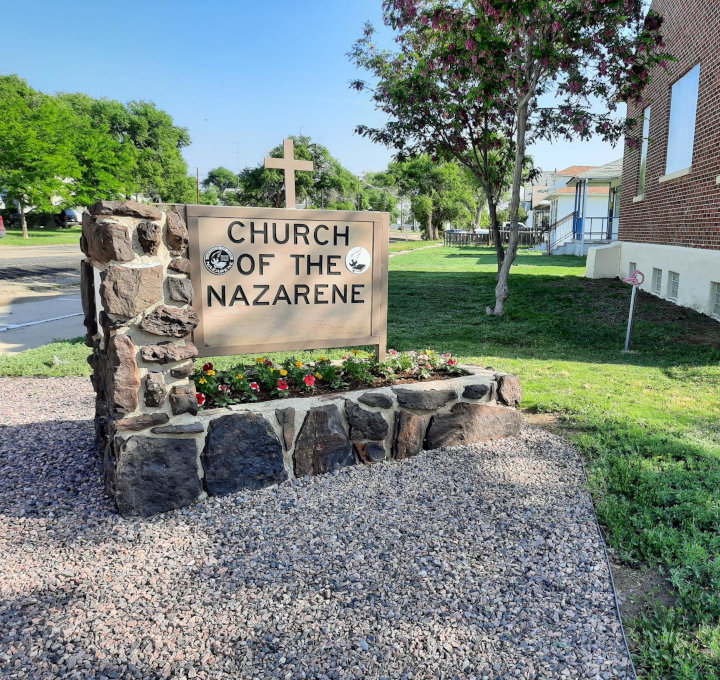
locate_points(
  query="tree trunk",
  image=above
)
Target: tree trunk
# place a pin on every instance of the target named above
(429, 228)
(23, 220)
(501, 289)
(478, 216)
(497, 237)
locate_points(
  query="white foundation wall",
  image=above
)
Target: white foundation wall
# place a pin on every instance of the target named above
(698, 268)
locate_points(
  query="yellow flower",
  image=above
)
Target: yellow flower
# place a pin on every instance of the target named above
(202, 381)
(318, 376)
(283, 372)
(272, 370)
(239, 376)
(210, 372)
(356, 351)
(259, 360)
(321, 359)
(298, 364)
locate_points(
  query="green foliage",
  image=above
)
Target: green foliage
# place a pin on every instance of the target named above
(36, 146)
(504, 215)
(72, 354)
(440, 192)
(107, 159)
(161, 169)
(222, 181)
(81, 149)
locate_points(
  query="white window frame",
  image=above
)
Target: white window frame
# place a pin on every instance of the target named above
(681, 126)
(673, 285)
(657, 280)
(643, 153)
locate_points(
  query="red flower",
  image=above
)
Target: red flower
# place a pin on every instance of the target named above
(254, 386)
(268, 362)
(451, 362)
(224, 388)
(282, 385)
(200, 398)
(309, 380)
(208, 366)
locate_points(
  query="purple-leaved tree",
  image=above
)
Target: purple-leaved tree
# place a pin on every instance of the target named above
(469, 81)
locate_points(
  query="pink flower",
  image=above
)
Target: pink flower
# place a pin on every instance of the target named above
(200, 398)
(392, 352)
(282, 385)
(309, 380)
(224, 388)
(254, 386)
(446, 355)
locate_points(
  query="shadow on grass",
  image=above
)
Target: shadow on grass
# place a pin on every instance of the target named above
(568, 318)
(523, 258)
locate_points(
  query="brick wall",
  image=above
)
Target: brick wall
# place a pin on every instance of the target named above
(683, 211)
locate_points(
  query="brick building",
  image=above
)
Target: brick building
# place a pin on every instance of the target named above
(670, 200)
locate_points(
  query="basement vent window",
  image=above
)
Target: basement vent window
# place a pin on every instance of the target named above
(657, 281)
(633, 267)
(673, 285)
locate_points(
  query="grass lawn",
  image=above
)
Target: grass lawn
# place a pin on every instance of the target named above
(397, 246)
(647, 422)
(41, 237)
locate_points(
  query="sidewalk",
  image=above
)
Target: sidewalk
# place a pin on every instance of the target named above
(25, 324)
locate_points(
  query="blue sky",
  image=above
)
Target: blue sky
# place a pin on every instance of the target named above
(239, 74)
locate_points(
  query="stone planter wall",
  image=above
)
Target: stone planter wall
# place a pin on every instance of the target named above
(159, 453)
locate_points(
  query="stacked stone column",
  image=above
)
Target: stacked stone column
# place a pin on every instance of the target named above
(136, 294)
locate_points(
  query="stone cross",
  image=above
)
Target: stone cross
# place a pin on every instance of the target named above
(289, 164)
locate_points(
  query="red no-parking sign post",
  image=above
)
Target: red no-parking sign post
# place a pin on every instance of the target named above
(635, 280)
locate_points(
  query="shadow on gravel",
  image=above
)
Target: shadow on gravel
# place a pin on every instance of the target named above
(49, 469)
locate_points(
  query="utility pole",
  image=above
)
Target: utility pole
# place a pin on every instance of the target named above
(197, 184)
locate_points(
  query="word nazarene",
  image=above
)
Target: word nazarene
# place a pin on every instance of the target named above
(262, 295)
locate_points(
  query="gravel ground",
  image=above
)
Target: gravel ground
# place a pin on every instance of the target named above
(474, 562)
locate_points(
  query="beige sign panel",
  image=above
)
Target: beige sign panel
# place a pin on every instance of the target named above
(272, 279)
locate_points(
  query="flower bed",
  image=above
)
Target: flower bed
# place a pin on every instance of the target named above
(265, 380)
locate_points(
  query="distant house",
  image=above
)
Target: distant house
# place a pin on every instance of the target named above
(670, 205)
(579, 208)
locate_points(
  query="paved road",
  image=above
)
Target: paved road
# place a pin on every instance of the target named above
(39, 296)
(40, 264)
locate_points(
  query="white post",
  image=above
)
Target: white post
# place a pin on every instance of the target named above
(630, 318)
(584, 212)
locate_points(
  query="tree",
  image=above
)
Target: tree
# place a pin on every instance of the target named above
(161, 170)
(221, 179)
(467, 80)
(107, 159)
(36, 148)
(440, 192)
